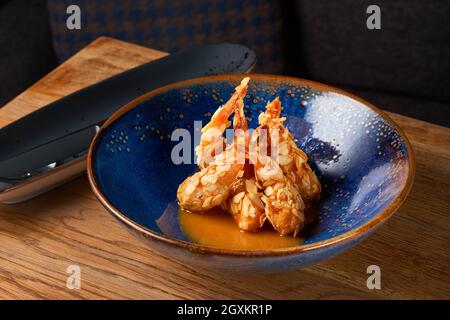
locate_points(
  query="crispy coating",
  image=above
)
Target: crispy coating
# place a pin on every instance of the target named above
(212, 141)
(253, 186)
(284, 207)
(292, 160)
(245, 203)
(210, 187)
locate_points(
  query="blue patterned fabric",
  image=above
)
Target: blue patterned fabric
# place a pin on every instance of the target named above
(174, 25)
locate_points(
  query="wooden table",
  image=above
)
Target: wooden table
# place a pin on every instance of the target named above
(40, 238)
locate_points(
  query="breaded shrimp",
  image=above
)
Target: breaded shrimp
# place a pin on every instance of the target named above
(212, 141)
(291, 159)
(210, 187)
(284, 207)
(244, 203)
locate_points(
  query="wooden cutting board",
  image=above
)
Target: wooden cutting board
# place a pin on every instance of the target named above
(41, 238)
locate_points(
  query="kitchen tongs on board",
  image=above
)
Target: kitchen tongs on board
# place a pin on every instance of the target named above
(48, 147)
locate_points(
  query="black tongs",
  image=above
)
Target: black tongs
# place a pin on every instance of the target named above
(62, 131)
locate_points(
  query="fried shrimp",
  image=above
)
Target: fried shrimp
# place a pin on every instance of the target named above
(291, 159)
(210, 187)
(212, 141)
(284, 207)
(261, 176)
(244, 203)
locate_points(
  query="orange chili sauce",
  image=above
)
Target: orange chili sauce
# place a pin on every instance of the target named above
(217, 228)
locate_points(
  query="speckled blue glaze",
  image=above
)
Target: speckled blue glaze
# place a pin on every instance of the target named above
(360, 157)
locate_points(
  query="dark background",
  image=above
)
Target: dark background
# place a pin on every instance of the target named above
(404, 67)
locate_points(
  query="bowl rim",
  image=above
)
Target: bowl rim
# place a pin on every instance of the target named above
(350, 235)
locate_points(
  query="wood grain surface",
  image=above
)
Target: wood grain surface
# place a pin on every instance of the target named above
(41, 238)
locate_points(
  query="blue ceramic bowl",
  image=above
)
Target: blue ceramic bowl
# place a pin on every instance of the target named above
(362, 158)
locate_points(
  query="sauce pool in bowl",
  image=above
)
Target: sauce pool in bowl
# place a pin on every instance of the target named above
(216, 228)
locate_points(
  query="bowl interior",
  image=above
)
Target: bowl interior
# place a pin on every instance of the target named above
(359, 156)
